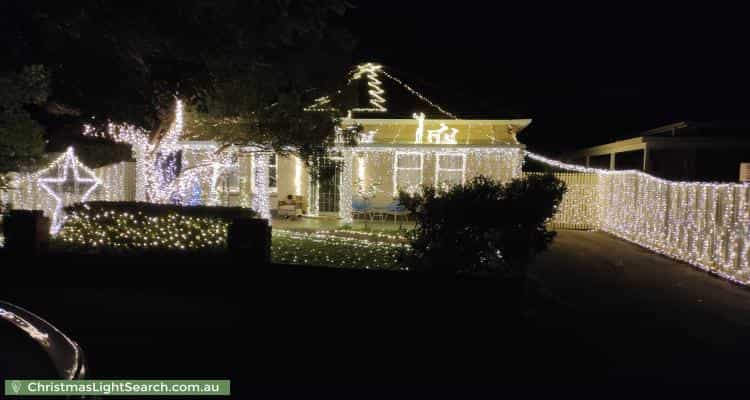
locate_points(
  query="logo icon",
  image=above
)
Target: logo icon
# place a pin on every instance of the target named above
(16, 385)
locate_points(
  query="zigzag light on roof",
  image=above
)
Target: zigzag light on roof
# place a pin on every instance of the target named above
(370, 70)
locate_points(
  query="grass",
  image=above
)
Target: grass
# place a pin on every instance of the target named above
(336, 250)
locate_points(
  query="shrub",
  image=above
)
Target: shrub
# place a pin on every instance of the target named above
(482, 226)
(133, 225)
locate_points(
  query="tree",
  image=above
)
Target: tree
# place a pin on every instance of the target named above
(21, 137)
(482, 226)
(245, 69)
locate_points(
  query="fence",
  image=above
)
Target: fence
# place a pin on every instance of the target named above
(704, 224)
(578, 209)
(116, 184)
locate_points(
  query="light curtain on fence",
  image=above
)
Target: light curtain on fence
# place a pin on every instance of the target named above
(704, 224)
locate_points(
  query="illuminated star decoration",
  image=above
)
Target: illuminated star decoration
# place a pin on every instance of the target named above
(64, 176)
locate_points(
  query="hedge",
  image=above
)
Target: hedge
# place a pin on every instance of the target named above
(145, 226)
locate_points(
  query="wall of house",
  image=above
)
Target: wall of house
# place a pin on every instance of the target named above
(292, 179)
(372, 169)
(378, 169)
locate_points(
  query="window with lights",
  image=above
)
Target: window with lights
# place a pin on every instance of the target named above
(407, 171)
(450, 169)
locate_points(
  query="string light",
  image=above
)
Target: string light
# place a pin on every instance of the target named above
(338, 249)
(345, 196)
(419, 95)
(155, 161)
(370, 70)
(377, 100)
(419, 133)
(704, 224)
(260, 201)
(441, 135)
(297, 176)
(135, 231)
(54, 181)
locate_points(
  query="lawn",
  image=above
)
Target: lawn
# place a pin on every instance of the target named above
(347, 249)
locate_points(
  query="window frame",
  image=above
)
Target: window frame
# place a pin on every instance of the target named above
(450, 154)
(396, 168)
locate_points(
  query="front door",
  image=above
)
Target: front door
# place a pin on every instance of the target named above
(329, 182)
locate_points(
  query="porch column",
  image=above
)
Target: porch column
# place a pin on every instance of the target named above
(312, 195)
(346, 187)
(140, 165)
(260, 196)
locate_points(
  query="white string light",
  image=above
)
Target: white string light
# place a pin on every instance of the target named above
(419, 95)
(53, 180)
(155, 162)
(370, 70)
(704, 224)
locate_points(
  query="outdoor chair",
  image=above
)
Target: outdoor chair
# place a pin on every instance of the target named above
(396, 210)
(361, 208)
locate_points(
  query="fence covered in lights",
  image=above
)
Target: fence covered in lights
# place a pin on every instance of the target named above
(65, 181)
(704, 224)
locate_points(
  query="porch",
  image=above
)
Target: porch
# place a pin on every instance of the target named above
(330, 223)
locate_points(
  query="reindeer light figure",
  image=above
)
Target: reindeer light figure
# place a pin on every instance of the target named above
(450, 138)
(420, 127)
(441, 135)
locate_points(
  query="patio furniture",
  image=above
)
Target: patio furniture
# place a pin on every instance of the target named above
(291, 207)
(396, 210)
(361, 208)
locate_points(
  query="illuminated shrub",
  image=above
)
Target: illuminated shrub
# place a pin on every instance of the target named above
(482, 226)
(143, 226)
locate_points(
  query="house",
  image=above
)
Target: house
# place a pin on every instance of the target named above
(397, 150)
(678, 151)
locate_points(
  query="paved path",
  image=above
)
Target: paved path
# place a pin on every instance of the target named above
(648, 315)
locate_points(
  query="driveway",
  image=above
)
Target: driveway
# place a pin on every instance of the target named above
(648, 315)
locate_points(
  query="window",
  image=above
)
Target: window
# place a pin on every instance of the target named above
(233, 182)
(273, 167)
(407, 172)
(450, 169)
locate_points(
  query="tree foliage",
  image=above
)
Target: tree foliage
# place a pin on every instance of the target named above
(482, 226)
(21, 137)
(246, 68)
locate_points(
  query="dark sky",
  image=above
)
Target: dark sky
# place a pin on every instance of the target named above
(586, 73)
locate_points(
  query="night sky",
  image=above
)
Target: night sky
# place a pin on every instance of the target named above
(586, 74)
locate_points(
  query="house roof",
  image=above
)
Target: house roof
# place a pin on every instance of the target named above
(439, 131)
(373, 91)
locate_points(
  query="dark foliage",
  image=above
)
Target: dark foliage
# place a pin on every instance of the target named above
(160, 210)
(245, 68)
(21, 141)
(483, 226)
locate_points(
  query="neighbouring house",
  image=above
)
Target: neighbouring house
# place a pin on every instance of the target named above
(396, 151)
(679, 151)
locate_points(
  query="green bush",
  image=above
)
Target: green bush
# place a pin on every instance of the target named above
(138, 226)
(483, 226)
